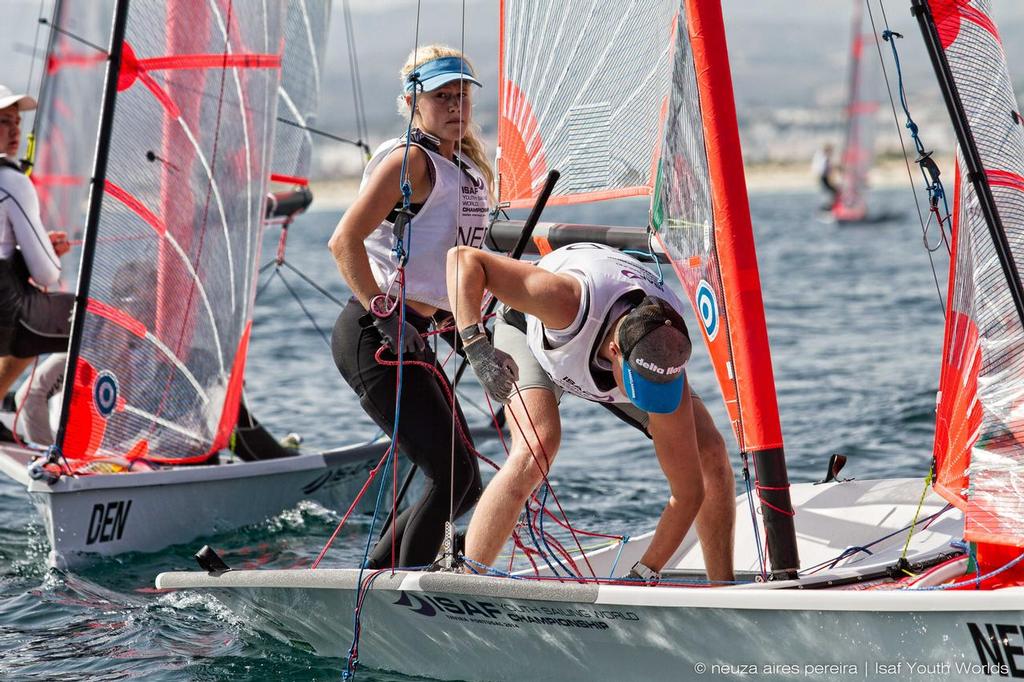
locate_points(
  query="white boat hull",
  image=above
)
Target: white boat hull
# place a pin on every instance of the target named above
(100, 515)
(470, 628)
(454, 626)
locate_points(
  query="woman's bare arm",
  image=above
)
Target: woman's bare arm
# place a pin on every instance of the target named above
(552, 298)
(369, 209)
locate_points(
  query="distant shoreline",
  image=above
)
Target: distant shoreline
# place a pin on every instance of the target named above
(337, 195)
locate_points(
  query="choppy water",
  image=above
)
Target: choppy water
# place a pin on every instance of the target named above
(856, 328)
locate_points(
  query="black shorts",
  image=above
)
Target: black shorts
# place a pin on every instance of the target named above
(44, 325)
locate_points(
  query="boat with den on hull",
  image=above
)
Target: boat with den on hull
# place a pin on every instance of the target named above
(171, 135)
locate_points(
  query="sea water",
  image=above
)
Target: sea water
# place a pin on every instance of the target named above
(855, 324)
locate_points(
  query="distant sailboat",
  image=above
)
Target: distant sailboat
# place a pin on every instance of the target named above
(851, 202)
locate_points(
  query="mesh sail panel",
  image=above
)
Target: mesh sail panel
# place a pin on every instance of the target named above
(702, 217)
(981, 409)
(299, 92)
(169, 301)
(861, 107)
(594, 113)
(69, 112)
(683, 212)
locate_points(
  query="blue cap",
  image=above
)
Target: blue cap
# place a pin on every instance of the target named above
(655, 348)
(441, 71)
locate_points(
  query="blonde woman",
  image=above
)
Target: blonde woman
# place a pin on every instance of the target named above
(448, 178)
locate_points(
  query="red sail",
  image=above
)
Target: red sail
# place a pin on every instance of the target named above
(979, 447)
(165, 327)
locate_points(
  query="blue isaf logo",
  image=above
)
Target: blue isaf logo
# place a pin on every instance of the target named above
(105, 393)
(707, 309)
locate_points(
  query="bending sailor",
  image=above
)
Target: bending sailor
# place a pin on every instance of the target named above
(598, 324)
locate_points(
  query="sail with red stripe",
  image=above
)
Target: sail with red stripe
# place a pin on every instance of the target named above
(646, 108)
(305, 43)
(594, 113)
(166, 290)
(69, 111)
(702, 217)
(979, 441)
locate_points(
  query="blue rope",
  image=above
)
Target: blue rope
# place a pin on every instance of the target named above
(976, 581)
(543, 535)
(618, 555)
(849, 551)
(649, 253)
(489, 569)
(929, 169)
(533, 538)
(351, 660)
(400, 251)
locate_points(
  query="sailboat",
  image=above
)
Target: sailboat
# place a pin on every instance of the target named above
(173, 186)
(851, 204)
(860, 576)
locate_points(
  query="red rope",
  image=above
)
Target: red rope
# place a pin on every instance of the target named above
(359, 496)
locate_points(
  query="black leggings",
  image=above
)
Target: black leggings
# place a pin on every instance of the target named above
(424, 435)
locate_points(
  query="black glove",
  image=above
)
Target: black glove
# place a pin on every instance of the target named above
(390, 328)
(495, 369)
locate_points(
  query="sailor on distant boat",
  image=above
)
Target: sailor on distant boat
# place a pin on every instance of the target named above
(600, 325)
(449, 177)
(823, 168)
(32, 322)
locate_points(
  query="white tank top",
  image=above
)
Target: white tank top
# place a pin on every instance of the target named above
(607, 275)
(454, 213)
(21, 227)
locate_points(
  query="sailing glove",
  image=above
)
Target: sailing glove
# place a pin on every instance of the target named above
(390, 329)
(495, 369)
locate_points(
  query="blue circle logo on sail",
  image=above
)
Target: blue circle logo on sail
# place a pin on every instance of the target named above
(707, 309)
(105, 393)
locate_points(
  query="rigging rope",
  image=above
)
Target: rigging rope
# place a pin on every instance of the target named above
(929, 168)
(357, 85)
(402, 221)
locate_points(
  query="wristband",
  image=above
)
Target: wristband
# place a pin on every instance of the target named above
(472, 332)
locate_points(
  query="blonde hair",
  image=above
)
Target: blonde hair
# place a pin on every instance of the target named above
(471, 146)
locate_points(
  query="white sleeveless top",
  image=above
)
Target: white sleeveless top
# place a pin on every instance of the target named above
(606, 275)
(455, 212)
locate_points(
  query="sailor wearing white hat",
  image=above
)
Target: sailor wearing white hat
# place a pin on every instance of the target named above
(32, 322)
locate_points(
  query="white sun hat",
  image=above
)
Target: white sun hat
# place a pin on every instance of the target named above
(9, 98)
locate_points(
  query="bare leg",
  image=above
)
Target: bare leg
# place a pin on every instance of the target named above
(10, 369)
(716, 520)
(503, 498)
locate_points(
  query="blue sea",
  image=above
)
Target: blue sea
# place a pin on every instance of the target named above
(855, 323)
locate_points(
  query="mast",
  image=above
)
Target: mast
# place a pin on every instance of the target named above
(975, 169)
(99, 177)
(748, 366)
(45, 84)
